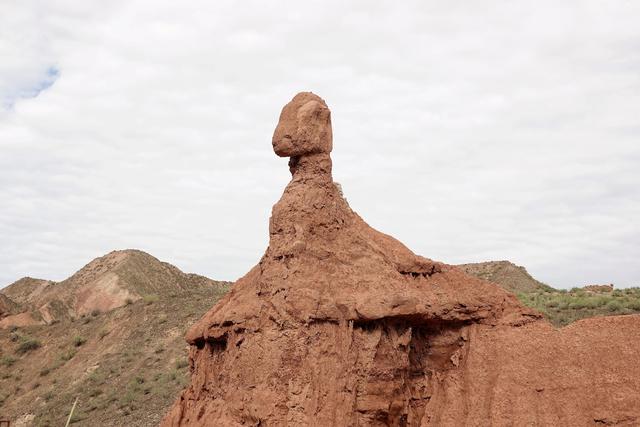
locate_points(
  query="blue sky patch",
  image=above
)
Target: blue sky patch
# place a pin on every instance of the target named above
(46, 80)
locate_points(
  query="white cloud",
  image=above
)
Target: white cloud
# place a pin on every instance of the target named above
(501, 130)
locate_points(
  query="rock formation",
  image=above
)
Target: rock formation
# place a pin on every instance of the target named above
(341, 325)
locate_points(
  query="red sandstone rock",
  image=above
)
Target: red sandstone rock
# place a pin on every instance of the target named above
(341, 325)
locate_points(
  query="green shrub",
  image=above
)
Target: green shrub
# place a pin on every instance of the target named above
(68, 355)
(127, 400)
(633, 305)
(95, 392)
(181, 363)
(44, 372)
(7, 360)
(150, 299)
(614, 306)
(78, 341)
(577, 304)
(592, 303)
(28, 344)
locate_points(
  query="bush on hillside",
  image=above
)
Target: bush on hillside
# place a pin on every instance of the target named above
(78, 341)
(28, 344)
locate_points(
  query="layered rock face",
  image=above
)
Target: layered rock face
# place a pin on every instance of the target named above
(341, 325)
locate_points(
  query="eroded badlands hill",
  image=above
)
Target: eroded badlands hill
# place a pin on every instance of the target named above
(341, 325)
(126, 364)
(108, 282)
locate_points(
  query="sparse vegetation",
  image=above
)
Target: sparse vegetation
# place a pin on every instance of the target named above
(68, 354)
(7, 360)
(562, 307)
(132, 380)
(78, 341)
(28, 344)
(150, 299)
(181, 363)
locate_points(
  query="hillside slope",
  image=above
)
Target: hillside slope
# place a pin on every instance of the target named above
(7, 306)
(125, 364)
(511, 277)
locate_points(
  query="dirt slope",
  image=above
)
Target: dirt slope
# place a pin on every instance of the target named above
(341, 325)
(126, 364)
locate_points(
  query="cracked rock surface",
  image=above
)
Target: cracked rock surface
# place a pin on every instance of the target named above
(341, 325)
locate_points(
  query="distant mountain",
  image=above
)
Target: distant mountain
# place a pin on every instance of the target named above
(112, 334)
(511, 277)
(108, 282)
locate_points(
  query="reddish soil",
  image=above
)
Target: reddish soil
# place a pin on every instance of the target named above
(341, 325)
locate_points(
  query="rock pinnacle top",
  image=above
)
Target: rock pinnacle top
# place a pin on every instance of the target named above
(304, 135)
(304, 127)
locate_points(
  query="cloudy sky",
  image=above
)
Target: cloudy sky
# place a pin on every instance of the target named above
(471, 131)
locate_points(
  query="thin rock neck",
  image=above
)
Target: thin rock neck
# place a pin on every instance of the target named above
(316, 167)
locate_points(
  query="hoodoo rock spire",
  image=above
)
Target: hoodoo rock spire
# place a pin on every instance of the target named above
(341, 325)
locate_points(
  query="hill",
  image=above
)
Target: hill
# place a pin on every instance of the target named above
(511, 277)
(108, 282)
(561, 307)
(126, 363)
